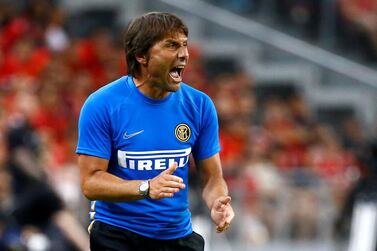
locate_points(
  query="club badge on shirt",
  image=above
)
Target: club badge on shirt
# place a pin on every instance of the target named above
(182, 132)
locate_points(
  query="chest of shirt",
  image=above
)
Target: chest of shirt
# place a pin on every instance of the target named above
(151, 138)
(148, 128)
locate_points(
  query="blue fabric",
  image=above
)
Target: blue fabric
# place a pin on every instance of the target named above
(141, 137)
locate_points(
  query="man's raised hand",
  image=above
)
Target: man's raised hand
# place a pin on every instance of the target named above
(165, 185)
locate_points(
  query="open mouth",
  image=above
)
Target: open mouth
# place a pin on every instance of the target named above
(176, 73)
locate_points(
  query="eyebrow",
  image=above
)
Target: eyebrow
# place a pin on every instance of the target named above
(170, 40)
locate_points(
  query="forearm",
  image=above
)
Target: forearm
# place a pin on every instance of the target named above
(71, 228)
(214, 188)
(215, 192)
(105, 186)
(98, 184)
(212, 180)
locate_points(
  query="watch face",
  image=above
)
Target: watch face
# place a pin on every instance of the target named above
(144, 186)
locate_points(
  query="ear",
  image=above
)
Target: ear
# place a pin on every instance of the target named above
(142, 59)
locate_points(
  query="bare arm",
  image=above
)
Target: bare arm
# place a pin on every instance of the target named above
(215, 192)
(213, 183)
(98, 184)
(72, 229)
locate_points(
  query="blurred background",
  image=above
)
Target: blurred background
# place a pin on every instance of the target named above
(295, 86)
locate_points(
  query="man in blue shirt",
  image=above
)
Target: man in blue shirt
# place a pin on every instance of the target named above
(135, 138)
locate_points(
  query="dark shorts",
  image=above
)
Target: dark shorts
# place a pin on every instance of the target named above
(104, 237)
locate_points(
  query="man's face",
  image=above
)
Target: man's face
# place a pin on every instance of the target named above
(166, 62)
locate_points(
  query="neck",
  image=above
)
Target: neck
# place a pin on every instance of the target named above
(149, 89)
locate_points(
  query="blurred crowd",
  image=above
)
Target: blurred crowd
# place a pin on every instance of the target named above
(291, 174)
(45, 76)
(291, 177)
(348, 27)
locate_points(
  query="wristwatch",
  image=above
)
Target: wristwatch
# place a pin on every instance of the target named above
(144, 188)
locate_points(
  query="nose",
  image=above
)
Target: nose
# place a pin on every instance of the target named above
(183, 53)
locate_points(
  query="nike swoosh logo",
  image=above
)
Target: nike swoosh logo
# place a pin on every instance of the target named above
(128, 136)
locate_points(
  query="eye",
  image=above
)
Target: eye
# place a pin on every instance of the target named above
(172, 45)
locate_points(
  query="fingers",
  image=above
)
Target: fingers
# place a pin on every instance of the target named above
(168, 189)
(174, 184)
(225, 218)
(165, 195)
(172, 178)
(224, 224)
(222, 213)
(165, 185)
(171, 169)
(225, 199)
(222, 202)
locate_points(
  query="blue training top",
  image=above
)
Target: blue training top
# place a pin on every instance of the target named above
(141, 137)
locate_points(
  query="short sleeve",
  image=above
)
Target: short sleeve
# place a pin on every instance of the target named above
(207, 144)
(94, 137)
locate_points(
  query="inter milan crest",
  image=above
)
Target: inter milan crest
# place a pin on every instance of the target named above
(182, 132)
